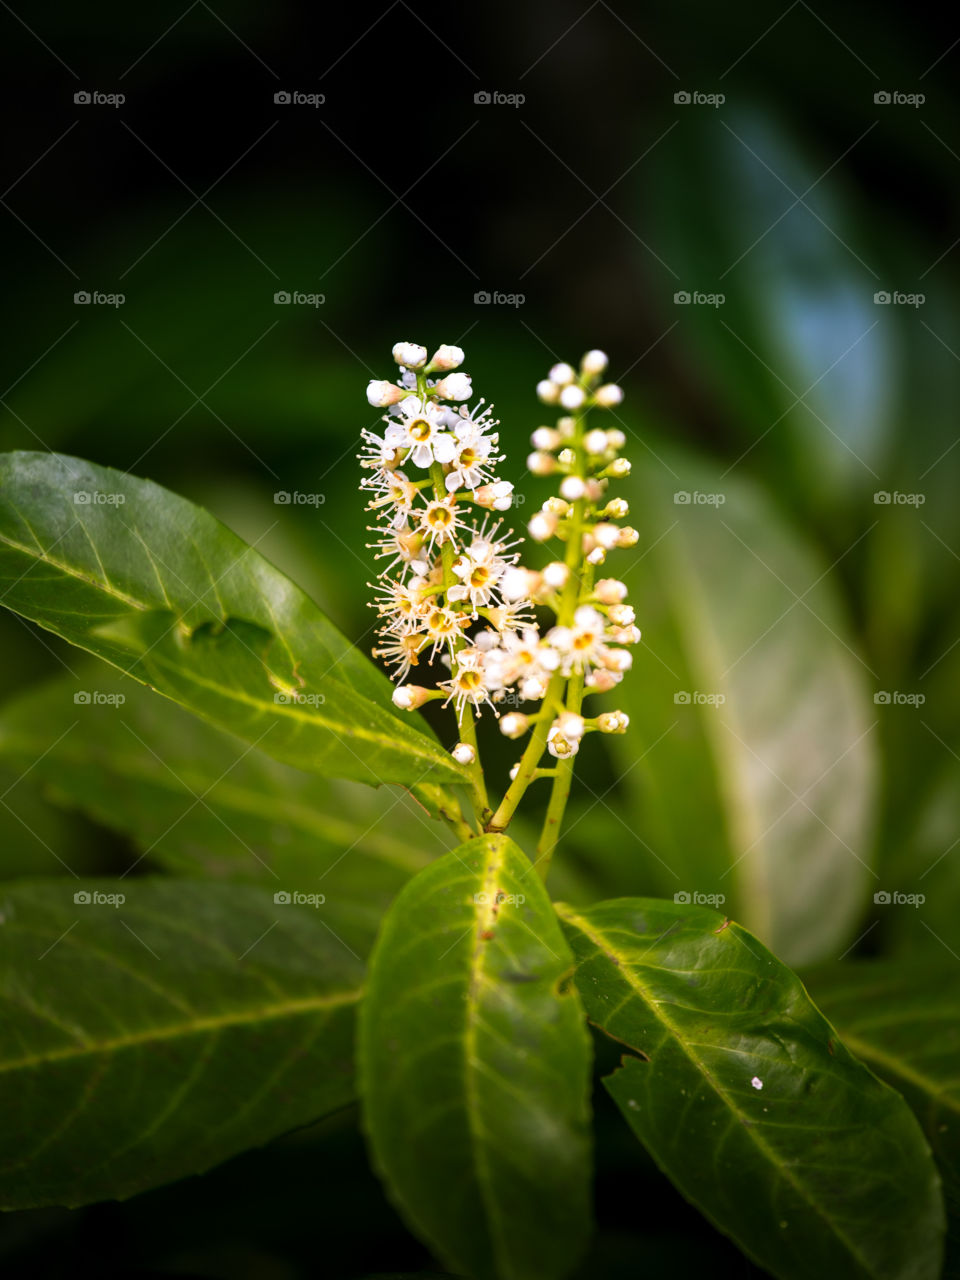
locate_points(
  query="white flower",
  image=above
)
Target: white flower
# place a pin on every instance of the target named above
(479, 568)
(421, 431)
(580, 645)
(548, 391)
(410, 354)
(497, 496)
(472, 457)
(519, 584)
(572, 397)
(410, 696)
(594, 362)
(455, 386)
(439, 521)
(542, 526)
(463, 753)
(610, 591)
(561, 374)
(380, 394)
(615, 438)
(555, 575)
(446, 357)
(573, 488)
(559, 745)
(595, 442)
(606, 535)
(613, 722)
(607, 396)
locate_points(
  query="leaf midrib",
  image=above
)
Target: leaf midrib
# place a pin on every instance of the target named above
(198, 1026)
(606, 947)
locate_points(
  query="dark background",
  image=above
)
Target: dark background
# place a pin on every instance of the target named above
(401, 197)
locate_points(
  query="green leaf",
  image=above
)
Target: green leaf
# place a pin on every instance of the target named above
(749, 695)
(474, 1067)
(748, 1100)
(904, 1021)
(147, 1040)
(200, 803)
(160, 589)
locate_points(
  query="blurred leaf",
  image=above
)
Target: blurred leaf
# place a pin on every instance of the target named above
(161, 590)
(798, 351)
(903, 1019)
(749, 760)
(199, 803)
(474, 1066)
(152, 1039)
(736, 1087)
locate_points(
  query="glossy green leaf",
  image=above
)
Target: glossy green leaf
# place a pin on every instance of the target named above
(148, 1039)
(201, 803)
(474, 1067)
(750, 760)
(904, 1021)
(748, 1100)
(162, 590)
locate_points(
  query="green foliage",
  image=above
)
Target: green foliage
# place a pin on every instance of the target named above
(474, 1067)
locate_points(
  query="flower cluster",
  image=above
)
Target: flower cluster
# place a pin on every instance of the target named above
(453, 589)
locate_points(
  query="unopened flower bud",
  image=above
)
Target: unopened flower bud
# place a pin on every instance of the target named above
(514, 724)
(595, 442)
(615, 438)
(498, 495)
(628, 537)
(567, 427)
(555, 575)
(463, 753)
(455, 386)
(572, 397)
(620, 467)
(545, 438)
(608, 395)
(558, 506)
(446, 357)
(410, 354)
(618, 508)
(567, 457)
(625, 635)
(518, 583)
(613, 722)
(533, 688)
(571, 725)
(561, 374)
(595, 489)
(514, 770)
(547, 391)
(607, 536)
(542, 526)
(596, 556)
(619, 659)
(610, 591)
(572, 488)
(410, 696)
(601, 680)
(380, 394)
(541, 464)
(594, 362)
(622, 615)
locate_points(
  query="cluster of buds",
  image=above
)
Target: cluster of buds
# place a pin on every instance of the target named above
(453, 589)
